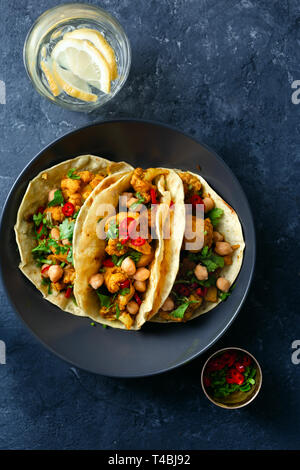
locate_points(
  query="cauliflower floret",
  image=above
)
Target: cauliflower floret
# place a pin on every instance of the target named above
(113, 277)
(57, 214)
(190, 181)
(126, 319)
(69, 275)
(112, 249)
(96, 180)
(76, 200)
(86, 176)
(70, 186)
(141, 180)
(123, 300)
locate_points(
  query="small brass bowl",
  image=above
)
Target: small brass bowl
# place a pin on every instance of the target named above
(236, 399)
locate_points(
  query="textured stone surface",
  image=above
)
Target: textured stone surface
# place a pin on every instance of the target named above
(221, 71)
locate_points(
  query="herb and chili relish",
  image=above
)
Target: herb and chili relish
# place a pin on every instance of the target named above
(229, 372)
(122, 280)
(54, 226)
(199, 277)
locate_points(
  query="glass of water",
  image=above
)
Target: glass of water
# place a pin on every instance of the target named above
(50, 28)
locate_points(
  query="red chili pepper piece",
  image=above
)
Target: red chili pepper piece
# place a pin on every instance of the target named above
(124, 226)
(234, 377)
(68, 209)
(202, 291)
(68, 292)
(124, 240)
(137, 299)
(45, 269)
(125, 284)
(139, 241)
(240, 367)
(40, 210)
(229, 358)
(246, 360)
(42, 237)
(171, 203)
(195, 200)
(215, 364)
(153, 196)
(108, 263)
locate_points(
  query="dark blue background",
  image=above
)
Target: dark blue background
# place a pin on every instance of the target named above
(220, 70)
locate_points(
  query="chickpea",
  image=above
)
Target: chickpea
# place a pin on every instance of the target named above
(145, 260)
(140, 286)
(208, 204)
(55, 272)
(96, 280)
(217, 237)
(55, 234)
(45, 273)
(128, 266)
(142, 274)
(223, 284)
(168, 305)
(201, 272)
(223, 248)
(66, 241)
(51, 194)
(132, 307)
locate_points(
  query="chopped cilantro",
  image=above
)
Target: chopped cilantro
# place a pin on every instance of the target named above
(117, 311)
(66, 229)
(57, 200)
(124, 291)
(76, 214)
(134, 255)
(180, 311)
(70, 256)
(104, 300)
(215, 215)
(37, 219)
(208, 259)
(71, 174)
(113, 231)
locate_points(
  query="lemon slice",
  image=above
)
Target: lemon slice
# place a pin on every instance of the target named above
(72, 85)
(54, 88)
(100, 43)
(83, 59)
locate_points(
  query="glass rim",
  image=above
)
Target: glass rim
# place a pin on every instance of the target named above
(47, 94)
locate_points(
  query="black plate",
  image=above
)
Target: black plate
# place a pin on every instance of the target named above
(157, 347)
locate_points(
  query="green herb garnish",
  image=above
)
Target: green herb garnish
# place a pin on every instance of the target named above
(57, 200)
(71, 174)
(66, 229)
(215, 215)
(113, 230)
(180, 311)
(124, 291)
(117, 311)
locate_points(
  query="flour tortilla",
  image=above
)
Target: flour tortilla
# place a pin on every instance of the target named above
(90, 251)
(231, 228)
(37, 195)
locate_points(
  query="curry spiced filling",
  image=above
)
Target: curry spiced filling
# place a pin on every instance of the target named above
(54, 226)
(121, 283)
(199, 278)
